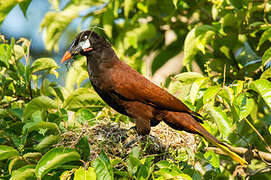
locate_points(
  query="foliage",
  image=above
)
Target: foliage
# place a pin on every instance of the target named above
(229, 40)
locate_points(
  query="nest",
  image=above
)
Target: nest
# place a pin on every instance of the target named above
(111, 137)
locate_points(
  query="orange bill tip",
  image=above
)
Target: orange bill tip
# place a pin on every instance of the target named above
(66, 56)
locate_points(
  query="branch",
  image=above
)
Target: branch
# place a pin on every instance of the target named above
(242, 151)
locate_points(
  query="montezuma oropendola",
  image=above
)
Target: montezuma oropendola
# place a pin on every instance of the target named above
(131, 94)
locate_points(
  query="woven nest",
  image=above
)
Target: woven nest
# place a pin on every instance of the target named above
(111, 137)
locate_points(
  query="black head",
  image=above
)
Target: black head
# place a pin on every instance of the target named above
(85, 43)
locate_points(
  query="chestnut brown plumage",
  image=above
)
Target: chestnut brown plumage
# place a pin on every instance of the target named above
(131, 94)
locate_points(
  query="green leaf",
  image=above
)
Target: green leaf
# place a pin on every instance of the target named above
(146, 169)
(83, 148)
(229, 24)
(263, 87)
(32, 156)
(43, 64)
(144, 32)
(5, 8)
(7, 152)
(237, 4)
(82, 174)
(163, 164)
(55, 158)
(37, 104)
(46, 142)
(24, 173)
(15, 161)
(266, 56)
(212, 158)
(133, 161)
(188, 77)
(221, 119)
(128, 6)
(5, 54)
(18, 52)
(108, 21)
(196, 40)
(266, 74)
(270, 129)
(54, 23)
(197, 84)
(247, 56)
(37, 126)
(246, 108)
(82, 97)
(210, 94)
(24, 6)
(103, 168)
(265, 36)
(76, 74)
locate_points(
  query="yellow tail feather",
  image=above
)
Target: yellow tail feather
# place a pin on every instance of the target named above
(233, 155)
(202, 131)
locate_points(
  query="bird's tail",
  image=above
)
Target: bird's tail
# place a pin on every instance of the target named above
(203, 132)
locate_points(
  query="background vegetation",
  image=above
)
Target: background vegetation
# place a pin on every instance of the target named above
(51, 131)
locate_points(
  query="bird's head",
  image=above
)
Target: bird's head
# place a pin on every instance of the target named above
(84, 43)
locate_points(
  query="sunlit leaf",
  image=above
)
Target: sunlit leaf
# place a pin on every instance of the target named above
(37, 126)
(82, 97)
(263, 87)
(39, 103)
(24, 173)
(54, 23)
(133, 161)
(103, 167)
(265, 36)
(46, 142)
(32, 156)
(18, 52)
(212, 158)
(210, 94)
(243, 105)
(188, 77)
(221, 119)
(5, 54)
(128, 6)
(55, 158)
(7, 152)
(145, 31)
(196, 87)
(76, 74)
(6, 7)
(266, 56)
(43, 64)
(13, 162)
(196, 40)
(83, 174)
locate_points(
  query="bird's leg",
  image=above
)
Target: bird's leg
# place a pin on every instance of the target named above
(133, 141)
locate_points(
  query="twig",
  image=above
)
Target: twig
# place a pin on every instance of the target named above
(266, 145)
(241, 151)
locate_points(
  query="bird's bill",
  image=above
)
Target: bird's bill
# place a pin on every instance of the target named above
(66, 56)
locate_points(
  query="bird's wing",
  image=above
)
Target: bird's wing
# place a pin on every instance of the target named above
(131, 85)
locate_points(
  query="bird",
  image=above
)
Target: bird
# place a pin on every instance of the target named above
(130, 93)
